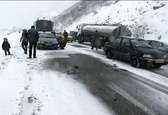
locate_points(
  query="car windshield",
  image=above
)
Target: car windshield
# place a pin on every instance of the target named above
(140, 43)
(46, 35)
(165, 45)
(158, 44)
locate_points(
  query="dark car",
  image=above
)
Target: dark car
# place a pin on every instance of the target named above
(47, 40)
(136, 51)
(159, 45)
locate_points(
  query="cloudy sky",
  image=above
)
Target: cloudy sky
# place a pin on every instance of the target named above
(24, 13)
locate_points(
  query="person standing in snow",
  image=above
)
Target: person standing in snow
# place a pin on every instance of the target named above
(33, 37)
(95, 42)
(65, 34)
(24, 40)
(6, 47)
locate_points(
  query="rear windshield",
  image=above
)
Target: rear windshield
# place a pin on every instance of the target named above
(140, 43)
(47, 35)
(157, 44)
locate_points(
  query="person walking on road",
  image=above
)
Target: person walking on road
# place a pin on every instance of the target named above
(63, 40)
(33, 37)
(24, 40)
(95, 41)
(6, 47)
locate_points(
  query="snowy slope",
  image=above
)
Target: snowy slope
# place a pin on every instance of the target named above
(140, 16)
(75, 12)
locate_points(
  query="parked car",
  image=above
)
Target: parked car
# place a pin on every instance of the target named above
(136, 51)
(69, 39)
(159, 45)
(47, 40)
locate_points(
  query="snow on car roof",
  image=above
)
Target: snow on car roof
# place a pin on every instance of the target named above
(131, 37)
(106, 29)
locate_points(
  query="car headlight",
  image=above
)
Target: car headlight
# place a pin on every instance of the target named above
(147, 56)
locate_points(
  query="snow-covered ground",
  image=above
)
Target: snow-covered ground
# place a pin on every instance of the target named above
(138, 15)
(27, 89)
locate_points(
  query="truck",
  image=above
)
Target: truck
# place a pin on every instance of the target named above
(47, 37)
(86, 32)
(44, 25)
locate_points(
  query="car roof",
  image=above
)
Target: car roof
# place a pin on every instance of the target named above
(132, 38)
(154, 41)
(158, 42)
(126, 37)
(45, 32)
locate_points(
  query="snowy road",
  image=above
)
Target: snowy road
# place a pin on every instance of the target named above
(77, 81)
(161, 71)
(146, 89)
(28, 89)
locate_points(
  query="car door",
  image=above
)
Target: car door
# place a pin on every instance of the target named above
(109, 45)
(116, 46)
(125, 49)
(155, 44)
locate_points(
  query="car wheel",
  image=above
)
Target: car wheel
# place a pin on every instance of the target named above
(135, 62)
(108, 54)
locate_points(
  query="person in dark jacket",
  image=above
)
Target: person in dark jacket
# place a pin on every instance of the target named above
(33, 37)
(95, 41)
(6, 47)
(24, 40)
(65, 34)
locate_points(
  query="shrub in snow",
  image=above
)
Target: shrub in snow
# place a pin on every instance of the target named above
(159, 37)
(139, 31)
(160, 6)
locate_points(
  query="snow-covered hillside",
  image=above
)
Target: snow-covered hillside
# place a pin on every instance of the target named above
(76, 11)
(148, 19)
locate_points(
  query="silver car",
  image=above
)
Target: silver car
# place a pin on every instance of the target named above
(47, 40)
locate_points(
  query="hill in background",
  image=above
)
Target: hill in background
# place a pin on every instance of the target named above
(146, 19)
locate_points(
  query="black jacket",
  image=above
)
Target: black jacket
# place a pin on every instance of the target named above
(5, 45)
(24, 37)
(65, 34)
